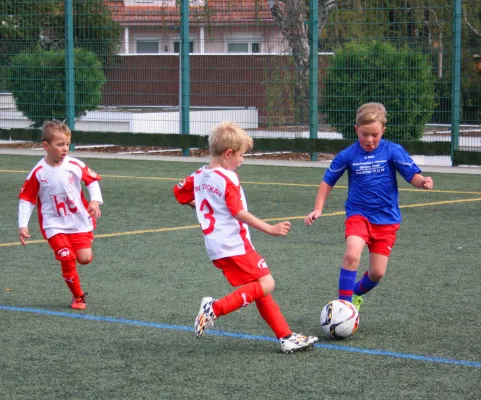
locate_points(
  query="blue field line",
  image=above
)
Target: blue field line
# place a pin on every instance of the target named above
(156, 325)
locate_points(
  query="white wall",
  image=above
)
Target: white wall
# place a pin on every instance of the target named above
(164, 120)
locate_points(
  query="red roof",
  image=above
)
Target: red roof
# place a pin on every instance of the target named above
(216, 11)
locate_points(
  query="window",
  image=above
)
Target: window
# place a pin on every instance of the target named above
(147, 46)
(243, 47)
(237, 47)
(177, 47)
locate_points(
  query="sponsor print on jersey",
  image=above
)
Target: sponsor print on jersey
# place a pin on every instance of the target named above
(262, 264)
(181, 184)
(70, 178)
(92, 173)
(62, 205)
(369, 167)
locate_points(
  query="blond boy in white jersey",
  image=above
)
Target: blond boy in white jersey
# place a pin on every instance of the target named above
(66, 218)
(221, 209)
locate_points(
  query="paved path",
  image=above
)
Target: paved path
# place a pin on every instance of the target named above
(247, 161)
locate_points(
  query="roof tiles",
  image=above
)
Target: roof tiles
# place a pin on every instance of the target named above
(215, 11)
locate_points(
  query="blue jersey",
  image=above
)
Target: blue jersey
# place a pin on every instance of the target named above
(372, 189)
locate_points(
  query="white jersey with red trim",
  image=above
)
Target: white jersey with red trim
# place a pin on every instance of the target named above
(218, 198)
(57, 192)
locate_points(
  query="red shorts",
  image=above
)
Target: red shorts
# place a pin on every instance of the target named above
(243, 269)
(379, 238)
(66, 245)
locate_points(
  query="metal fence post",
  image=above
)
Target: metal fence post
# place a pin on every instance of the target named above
(456, 78)
(69, 68)
(184, 73)
(313, 74)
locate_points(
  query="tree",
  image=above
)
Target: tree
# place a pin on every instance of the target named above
(18, 30)
(93, 28)
(27, 24)
(424, 27)
(37, 82)
(377, 71)
(291, 17)
(42, 22)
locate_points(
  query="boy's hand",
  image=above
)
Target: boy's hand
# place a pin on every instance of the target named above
(309, 220)
(281, 229)
(428, 183)
(23, 234)
(94, 209)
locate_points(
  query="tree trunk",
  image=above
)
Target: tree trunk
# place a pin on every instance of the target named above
(290, 16)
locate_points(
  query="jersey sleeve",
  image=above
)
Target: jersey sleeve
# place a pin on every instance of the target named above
(336, 169)
(30, 188)
(233, 198)
(25, 209)
(95, 193)
(404, 164)
(88, 175)
(184, 190)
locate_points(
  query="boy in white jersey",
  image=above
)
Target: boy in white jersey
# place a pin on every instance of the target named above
(221, 208)
(66, 218)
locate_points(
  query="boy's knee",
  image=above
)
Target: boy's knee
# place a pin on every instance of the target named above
(351, 259)
(376, 276)
(84, 260)
(84, 256)
(268, 284)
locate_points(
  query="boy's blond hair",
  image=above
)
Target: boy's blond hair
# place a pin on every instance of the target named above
(53, 125)
(228, 135)
(371, 112)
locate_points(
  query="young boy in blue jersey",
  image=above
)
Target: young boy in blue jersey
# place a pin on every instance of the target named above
(372, 208)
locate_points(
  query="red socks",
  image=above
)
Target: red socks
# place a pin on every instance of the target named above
(70, 275)
(268, 308)
(271, 313)
(241, 297)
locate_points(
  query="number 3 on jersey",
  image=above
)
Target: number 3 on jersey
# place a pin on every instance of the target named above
(208, 211)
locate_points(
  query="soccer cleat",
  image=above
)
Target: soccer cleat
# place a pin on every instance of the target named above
(78, 302)
(357, 301)
(205, 318)
(297, 341)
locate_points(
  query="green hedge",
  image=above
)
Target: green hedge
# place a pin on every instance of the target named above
(398, 77)
(467, 158)
(37, 82)
(185, 141)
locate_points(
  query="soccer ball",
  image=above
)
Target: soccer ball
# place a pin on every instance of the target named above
(339, 319)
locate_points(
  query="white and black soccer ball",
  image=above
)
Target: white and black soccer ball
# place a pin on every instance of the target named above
(339, 319)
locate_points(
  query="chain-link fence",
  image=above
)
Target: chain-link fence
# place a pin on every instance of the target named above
(281, 69)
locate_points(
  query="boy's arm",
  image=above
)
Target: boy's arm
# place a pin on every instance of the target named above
(184, 191)
(25, 209)
(94, 209)
(422, 182)
(322, 195)
(95, 193)
(280, 229)
(28, 199)
(337, 168)
(95, 199)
